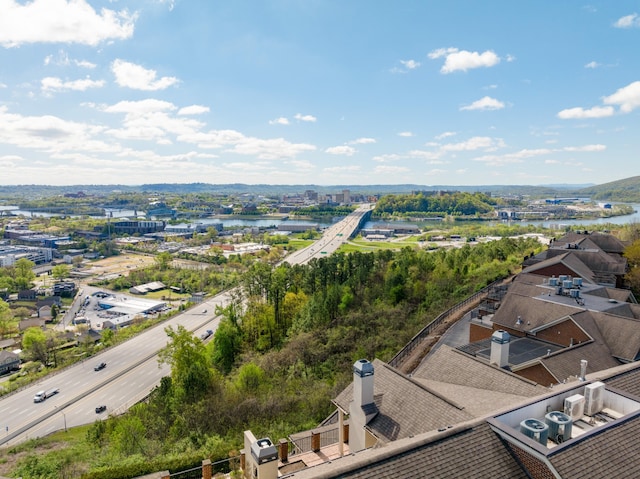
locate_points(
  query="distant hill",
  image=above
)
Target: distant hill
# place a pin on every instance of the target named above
(627, 190)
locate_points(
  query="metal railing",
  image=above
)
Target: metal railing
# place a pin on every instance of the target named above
(405, 352)
(300, 444)
(193, 473)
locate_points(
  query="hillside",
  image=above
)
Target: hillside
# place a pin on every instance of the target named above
(626, 190)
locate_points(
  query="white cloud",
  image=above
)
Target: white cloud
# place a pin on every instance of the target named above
(628, 21)
(521, 155)
(510, 58)
(431, 156)
(193, 110)
(84, 64)
(388, 169)
(406, 134)
(441, 52)
(475, 143)
(341, 150)
(140, 107)
(586, 148)
(592, 65)
(150, 119)
(61, 21)
(301, 164)
(485, 103)
(236, 142)
(628, 97)
(50, 134)
(279, 121)
(341, 169)
(407, 66)
(386, 158)
(307, 118)
(134, 76)
(464, 60)
(579, 113)
(410, 64)
(52, 84)
(62, 59)
(362, 141)
(2, 85)
(445, 134)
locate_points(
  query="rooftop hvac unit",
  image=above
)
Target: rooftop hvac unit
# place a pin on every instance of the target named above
(577, 282)
(574, 406)
(574, 293)
(553, 281)
(562, 277)
(560, 425)
(558, 290)
(567, 284)
(535, 429)
(593, 398)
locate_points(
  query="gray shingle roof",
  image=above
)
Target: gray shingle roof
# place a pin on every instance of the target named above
(450, 366)
(615, 452)
(405, 407)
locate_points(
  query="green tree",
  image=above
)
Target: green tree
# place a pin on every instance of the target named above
(225, 345)
(24, 273)
(163, 260)
(190, 373)
(60, 271)
(7, 321)
(34, 342)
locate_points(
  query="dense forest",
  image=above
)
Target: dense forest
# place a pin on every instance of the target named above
(444, 204)
(283, 350)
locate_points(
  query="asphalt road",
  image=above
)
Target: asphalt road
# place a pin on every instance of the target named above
(132, 372)
(132, 369)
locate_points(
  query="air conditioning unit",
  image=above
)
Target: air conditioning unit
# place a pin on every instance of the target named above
(535, 429)
(574, 293)
(574, 406)
(593, 398)
(577, 282)
(560, 426)
(567, 284)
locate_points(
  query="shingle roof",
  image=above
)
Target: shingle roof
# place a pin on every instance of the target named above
(612, 453)
(405, 407)
(447, 365)
(566, 364)
(571, 261)
(628, 381)
(533, 312)
(621, 334)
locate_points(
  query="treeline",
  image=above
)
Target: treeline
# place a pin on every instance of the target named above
(323, 210)
(455, 204)
(282, 351)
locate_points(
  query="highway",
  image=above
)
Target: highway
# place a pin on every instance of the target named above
(132, 369)
(332, 238)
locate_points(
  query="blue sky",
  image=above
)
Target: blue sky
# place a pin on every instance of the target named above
(325, 92)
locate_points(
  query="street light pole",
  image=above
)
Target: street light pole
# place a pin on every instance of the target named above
(65, 420)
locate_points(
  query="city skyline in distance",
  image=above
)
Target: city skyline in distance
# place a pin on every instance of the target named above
(321, 93)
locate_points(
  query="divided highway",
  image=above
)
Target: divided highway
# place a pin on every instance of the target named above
(132, 369)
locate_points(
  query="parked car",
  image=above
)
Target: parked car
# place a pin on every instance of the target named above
(100, 366)
(101, 408)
